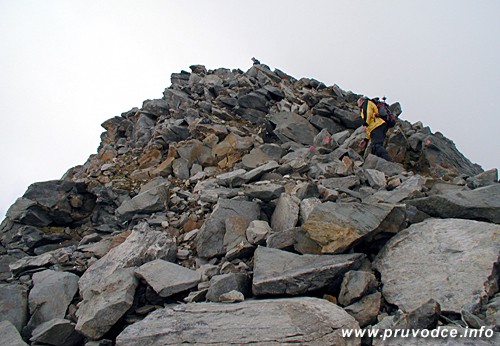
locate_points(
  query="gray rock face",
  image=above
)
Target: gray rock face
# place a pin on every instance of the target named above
(279, 272)
(407, 189)
(107, 303)
(168, 278)
(56, 332)
(366, 310)
(355, 285)
(223, 284)
(50, 296)
(14, 304)
(152, 200)
(286, 214)
(479, 204)
(265, 192)
(306, 321)
(338, 226)
(210, 239)
(235, 239)
(421, 262)
(10, 335)
(108, 286)
(379, 164)
(57, 202)
(293, 127)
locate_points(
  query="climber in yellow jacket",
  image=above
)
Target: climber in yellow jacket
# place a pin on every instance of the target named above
(374, 126)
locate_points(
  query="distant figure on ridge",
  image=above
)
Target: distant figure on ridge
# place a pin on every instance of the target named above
(255, 61)
(374, 126)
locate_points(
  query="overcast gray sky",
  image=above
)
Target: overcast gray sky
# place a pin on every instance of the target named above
(67, 66)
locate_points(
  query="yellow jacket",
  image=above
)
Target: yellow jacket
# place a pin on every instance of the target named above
(371, 121)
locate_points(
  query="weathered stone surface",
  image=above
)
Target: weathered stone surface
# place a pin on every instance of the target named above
(225, 283)
(257, 172)
(14, 304)
(257, 232)
(43, 260)
(149, 201)
(341, 182)
(293, 127)
(483, 179)
(355, 285)
(232, 179)
(235, 239)
(421, 263)
(366, 310)
(286, 214)
(376, 179)
(210, 239)
(56, 332)
(143, 245)
(50, 296)
(10, 335)
(409, 188)
(168, 278)
(265, 191)
(108, 286)
(57, 202)
(338, 226)
(106, 303)
(379, 164)
(440, 156)
(279, 272)
(307, 321)
(307, 206)
(479, 204)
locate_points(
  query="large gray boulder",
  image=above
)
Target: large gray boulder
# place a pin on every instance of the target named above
(336, 227)
(14, 304)
(57, 202)
(168, 278)
(293, 127)
(278, 272)
(286, 213)
(108, 286)
(449, 261)
(305, 321)
(210, 239)
(10, 335)
(104, 306)
(50, 296)
(152, 200)
(479, 204)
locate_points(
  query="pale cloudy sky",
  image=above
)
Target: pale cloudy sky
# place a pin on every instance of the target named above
(67, 66)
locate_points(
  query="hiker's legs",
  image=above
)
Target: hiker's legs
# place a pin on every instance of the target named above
(378, 137)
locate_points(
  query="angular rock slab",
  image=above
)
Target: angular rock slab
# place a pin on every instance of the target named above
(10, 335)
(14, 304)
(168, 278)
(304, 321)
(109, 285)
(51, 295)
(479, 204)
(210, 239)
(449, 261)
(278, 272)
(338, 226)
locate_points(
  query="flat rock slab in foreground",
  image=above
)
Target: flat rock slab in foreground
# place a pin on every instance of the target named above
(304, 321)
(448, 260)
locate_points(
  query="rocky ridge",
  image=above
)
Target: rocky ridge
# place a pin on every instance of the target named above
(239, 209)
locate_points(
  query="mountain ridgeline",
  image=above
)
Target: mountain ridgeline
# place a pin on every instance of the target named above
(239, 209)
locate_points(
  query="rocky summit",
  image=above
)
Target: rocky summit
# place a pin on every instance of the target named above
(239, 209)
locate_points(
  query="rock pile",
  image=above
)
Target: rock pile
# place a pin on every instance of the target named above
(238, 209)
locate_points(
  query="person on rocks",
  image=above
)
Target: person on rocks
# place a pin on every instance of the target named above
(374, 127)
(255, 61)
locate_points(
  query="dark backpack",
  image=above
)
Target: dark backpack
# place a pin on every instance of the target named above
(384, 111)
